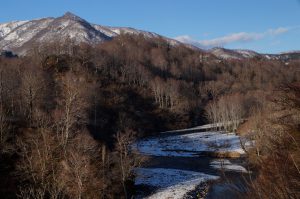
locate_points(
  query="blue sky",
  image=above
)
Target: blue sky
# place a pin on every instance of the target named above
(269, 26)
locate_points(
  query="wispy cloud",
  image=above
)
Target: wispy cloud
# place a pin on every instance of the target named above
(241, 37)
(278, 31)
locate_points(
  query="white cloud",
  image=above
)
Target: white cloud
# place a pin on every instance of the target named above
(241, 37)
(277, 31)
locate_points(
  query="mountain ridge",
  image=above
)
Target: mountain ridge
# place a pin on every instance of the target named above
(15, 35)
(18, 36)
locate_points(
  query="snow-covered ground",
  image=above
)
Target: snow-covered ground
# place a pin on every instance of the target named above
(171, 183)
(225, 164)
(203, 127)
(206, 127)
(190, 145)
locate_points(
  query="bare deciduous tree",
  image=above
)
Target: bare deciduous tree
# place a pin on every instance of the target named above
(227, 111)
(73, 105)
(31, 91)
(127, 160)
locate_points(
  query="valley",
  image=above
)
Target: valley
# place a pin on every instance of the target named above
(196, 109)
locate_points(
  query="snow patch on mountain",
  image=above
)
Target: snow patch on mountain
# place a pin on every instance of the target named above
(6, 28)
(23, 32)
(247, 53)
(223, 53)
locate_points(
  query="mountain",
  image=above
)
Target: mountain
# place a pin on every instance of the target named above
(233, 54)
(285, 56)
(18, 36)
(241, 54)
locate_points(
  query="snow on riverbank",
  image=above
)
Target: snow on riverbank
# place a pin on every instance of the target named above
(203, 127)
(227, 165)
(190, 145)
(172, 183)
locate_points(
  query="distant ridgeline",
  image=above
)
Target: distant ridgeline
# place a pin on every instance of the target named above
(8, 54)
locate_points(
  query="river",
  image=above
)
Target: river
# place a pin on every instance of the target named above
(188, 152)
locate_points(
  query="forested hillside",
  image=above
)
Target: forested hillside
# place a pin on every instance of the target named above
(68, 114)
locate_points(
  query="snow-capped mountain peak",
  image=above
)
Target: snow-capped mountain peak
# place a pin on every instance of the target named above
(19, 36)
